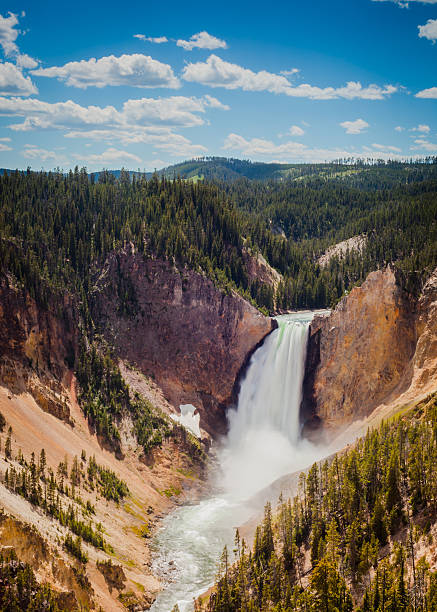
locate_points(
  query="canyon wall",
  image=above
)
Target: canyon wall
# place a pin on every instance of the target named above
(178, 328)
(363, 354)
(37, 346)
(423, 370)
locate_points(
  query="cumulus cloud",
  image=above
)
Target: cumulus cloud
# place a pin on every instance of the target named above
(144, 121)
(8, 36)
(424, 145)
(430, 93)
(354, 127)
(423, 128)
(174, 111)
(163, 139)
(202, 40)
(40, 114)
(429, 30)
(13, 82)
(216, 72)
(31, 151)
(214, 103)
(4, 147)
(177, 110)
(158, 40)
(219, 73)
(134, 70)
(399, 128)
(295, 130)
(25, 61)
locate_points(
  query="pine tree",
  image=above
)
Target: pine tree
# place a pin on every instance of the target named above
(8, 444)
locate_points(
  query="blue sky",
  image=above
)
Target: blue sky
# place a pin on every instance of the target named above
(149, 84)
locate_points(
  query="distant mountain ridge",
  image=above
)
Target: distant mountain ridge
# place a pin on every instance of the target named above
(225, 169)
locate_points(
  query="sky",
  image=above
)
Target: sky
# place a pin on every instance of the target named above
(149, 84)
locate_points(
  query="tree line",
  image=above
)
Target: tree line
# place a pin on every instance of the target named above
(351, 538)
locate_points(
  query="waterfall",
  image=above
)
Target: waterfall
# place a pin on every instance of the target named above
(271, 392)
(263, 444)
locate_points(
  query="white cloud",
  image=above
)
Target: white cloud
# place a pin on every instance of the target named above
(43, 155)
(290, 72)
(144, 121)
(216, 72)
(134, 70)
(13, 82)
(202, 40)
(354, 127)
(8, 34)
(25, 61)
(295, 130)
(430, 93)
(158, 40)
(405, 3)
(173, 111)
(422, 128)
(163, 139)
(214, 103)
(292, 151)
(177, 110)
(424, 145)
(429, 30)
(110, 156)
(4, 147)
(386, 148)
(39, 114)
(399, 128)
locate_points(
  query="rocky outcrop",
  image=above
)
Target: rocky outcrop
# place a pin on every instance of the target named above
(258, 269)
(37, 346)
(178, 328)
(30, 547)
(359, 355)
(423, 371)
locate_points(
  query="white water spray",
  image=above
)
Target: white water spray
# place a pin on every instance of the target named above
(263, 444)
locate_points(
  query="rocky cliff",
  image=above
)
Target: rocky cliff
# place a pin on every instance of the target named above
(423, 371)
(362, 354)
(178, 328)
(37, 346)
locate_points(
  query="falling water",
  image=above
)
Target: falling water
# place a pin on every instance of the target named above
(263, 444)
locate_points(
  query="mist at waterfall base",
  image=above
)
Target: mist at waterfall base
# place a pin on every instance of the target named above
(262, 445)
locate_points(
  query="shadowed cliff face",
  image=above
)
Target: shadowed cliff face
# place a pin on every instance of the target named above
(37, 347)
(360, 354)
(424, 364)
(177, 327)
(40, 337)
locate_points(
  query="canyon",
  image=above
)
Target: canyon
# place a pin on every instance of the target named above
(179, 339)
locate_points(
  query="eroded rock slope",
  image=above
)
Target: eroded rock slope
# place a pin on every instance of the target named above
(178, 328)
(377, 345)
